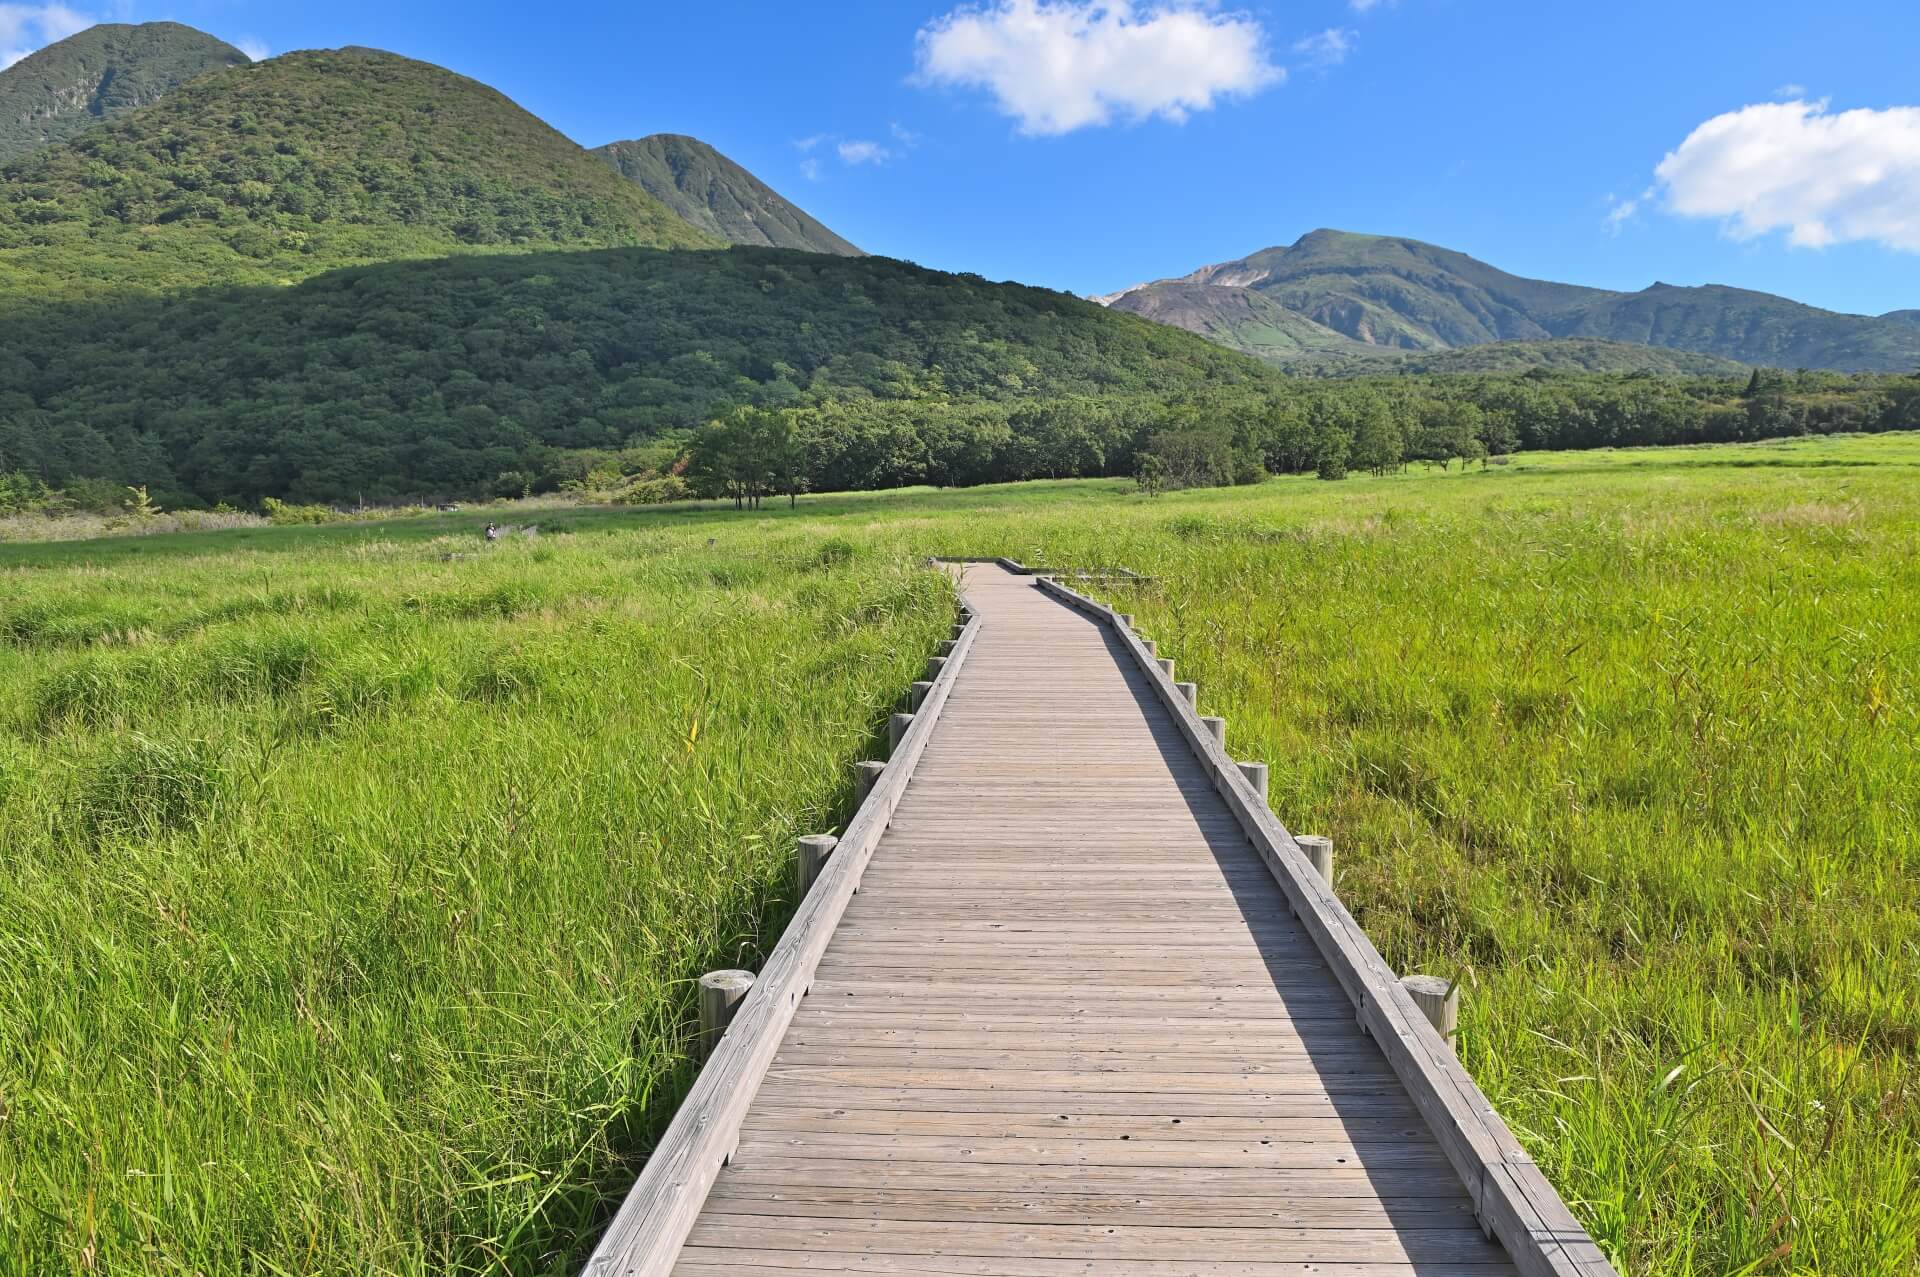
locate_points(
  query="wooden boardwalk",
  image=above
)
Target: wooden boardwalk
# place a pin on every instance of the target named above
(1070, 1024)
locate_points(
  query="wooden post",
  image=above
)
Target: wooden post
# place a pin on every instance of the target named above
(865, 776)
(920, 691)
(1152, 646)
(1126, 619)
(1439, 1001)
(721, 993)
(1319, 849)
(1218, 726)
(1191, 691)
(1256, 774)
(946, 647)
(934, 665)
(897, 730)
(810, 857)
(1166, 665)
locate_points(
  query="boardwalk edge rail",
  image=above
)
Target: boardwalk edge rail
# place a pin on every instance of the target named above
(1512, 1199)
(652, 1224)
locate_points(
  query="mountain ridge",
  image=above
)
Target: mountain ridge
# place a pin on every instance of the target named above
(100, 73)
(713, 193)
(311, 161)
(1393, 293)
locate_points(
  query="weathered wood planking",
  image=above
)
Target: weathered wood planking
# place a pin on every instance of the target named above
(1081, 1017)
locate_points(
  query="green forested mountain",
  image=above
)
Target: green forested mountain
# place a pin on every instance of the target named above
(438, 376)
(100, 74)
(710, 191)
(286, 168)
(1400, 294)
(1911, 318)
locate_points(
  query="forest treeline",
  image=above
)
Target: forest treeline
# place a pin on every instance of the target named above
(485, 376)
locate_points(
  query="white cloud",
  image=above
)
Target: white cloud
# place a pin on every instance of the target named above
(1060, 65)
(27, 27)
(810, 169)
(861, 151)
(1366, 6)
(1823, 178)
(1327, 48)
(1622, 211)
(254, 48)
(1786, 91)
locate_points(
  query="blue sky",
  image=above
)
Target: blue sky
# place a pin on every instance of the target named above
(1535, 136)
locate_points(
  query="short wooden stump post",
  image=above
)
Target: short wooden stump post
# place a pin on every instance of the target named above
(1218, 726)
(897, 730)
(1256, 774)
(934, 665)
(1153, 647)
(1438, 1000)
(1126, 619)
(920, 691)
(1319, 849)
(946, 647)
(721, 993)
(1191, 691)
(810, 857)
(1166, 665)
(865, 776)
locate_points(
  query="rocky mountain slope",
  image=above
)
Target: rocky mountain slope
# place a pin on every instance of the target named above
(100, 74)
(711, 192)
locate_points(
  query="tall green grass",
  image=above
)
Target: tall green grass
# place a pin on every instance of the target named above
(360, 872)
(352, 895)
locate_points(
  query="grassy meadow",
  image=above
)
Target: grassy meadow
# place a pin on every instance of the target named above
(358, 873)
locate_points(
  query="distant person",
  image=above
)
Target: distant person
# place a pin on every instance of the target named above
(493, 532)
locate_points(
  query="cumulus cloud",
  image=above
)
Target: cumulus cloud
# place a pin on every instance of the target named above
(1327, 48)
(1823, 177)
(26, 27)
(254, 48)
(1060, 65)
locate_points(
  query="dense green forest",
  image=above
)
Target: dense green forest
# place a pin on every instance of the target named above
(437, 377)
(500, 375)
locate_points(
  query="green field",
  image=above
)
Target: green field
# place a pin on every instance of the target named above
(358, 872)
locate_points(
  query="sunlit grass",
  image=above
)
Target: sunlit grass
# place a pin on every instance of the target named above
(359, 871)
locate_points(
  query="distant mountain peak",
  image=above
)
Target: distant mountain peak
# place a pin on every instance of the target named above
(718, 196)
(1371, 295)
(99, 74)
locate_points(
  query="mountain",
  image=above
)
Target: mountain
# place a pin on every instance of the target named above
(100, 74)
(710, 191)
(1909, 317)
(280, 170)
(1400, 294)
(438, 376)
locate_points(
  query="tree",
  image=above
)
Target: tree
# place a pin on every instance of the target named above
(1150, 472)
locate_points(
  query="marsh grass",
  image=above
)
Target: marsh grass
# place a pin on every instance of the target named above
(350, 918)
(359, 872)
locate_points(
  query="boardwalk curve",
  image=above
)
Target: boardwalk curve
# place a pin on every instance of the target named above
(1085, 1014)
